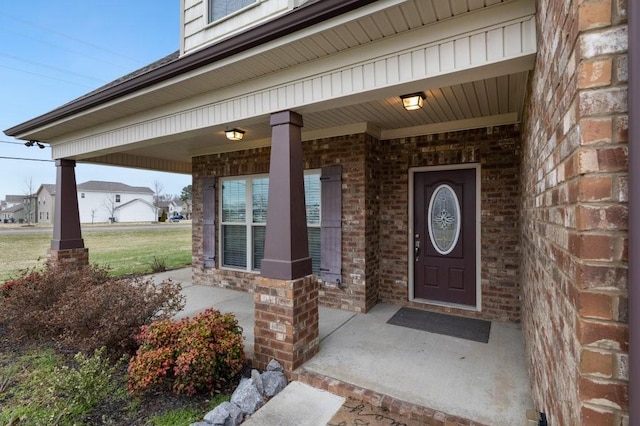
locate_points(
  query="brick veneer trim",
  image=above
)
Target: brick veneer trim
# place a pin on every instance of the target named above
(416, 412)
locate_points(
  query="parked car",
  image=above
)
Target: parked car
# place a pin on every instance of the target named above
(176, 218)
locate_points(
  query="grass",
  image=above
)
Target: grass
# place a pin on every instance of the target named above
(124, 251)
(41, 386)
(186, 415)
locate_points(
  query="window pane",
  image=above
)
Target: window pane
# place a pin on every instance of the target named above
(258, 246)
(234, 200)
(221, 8)
(260, 195)
(234, 246)
(312, 198)
(314, 249)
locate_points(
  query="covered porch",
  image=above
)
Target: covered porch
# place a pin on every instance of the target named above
(429, 377)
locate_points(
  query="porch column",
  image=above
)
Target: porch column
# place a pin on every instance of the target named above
(286, 297)
(67, 245)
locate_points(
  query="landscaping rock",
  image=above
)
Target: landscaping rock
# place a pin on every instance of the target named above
(275, 366)
(273, 382)
(247, 397)
(200, 424)
(225, 414)
(257, 380)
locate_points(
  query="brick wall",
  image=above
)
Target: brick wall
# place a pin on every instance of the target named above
(574, 239)
(348, 151)
(375, 214)
(497, 151)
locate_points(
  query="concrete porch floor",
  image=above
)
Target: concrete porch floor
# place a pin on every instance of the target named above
(485, 383)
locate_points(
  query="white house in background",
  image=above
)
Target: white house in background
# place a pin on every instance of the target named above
(114, 201)
(46, 196)
(16, 208)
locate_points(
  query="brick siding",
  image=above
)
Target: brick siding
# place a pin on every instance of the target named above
(375, 219)
(574, 240)
(497, 151)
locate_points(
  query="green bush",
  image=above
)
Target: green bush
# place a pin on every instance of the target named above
(192, 355)
(71, 393)
(84, 310)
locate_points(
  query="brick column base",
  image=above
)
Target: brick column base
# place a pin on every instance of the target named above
(76, 257)
(286, 322)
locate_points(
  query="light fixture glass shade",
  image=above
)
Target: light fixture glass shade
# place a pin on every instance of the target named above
(413, 101)
(234, 134)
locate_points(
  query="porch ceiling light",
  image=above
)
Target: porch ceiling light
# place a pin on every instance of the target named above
(412, 101)
(234, 134)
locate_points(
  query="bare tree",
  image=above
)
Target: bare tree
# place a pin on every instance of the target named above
(158, 197)
(93, 215)
(111, 205)
(29, 204)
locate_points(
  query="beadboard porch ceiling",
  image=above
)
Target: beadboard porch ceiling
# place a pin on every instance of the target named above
(482, 51)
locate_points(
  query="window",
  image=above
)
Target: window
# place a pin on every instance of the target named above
(244, 219)
(218, 9)
(82, 195)
(117, 198)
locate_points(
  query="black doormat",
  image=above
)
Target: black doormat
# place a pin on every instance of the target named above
(449, 325)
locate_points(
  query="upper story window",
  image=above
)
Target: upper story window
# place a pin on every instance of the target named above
(219, 9)
(117, 198)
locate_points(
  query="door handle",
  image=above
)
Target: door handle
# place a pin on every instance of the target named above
(416, 247)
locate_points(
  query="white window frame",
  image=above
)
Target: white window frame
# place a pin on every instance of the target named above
(209, 11)
(249, 222)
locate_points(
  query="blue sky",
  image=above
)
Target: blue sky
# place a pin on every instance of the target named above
(52, 52)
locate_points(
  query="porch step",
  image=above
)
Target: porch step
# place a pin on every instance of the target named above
(297, 405)
(424, 415)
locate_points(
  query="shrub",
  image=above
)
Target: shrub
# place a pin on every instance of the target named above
(71, 393)
(84, 309)
(192, 355)
(158, 264)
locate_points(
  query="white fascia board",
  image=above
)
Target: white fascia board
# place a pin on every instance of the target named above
(311, 86)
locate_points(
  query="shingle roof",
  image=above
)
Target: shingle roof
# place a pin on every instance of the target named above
(51, 188)
(14, 209)
(14, 198)
(173, 65)
(96, 185)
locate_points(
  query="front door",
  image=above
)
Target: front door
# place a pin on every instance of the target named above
(445, 236)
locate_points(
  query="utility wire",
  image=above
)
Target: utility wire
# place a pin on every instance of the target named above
(41, 64)
(26, 159)
(77, 40)
(75, 52)
(13, 142)
(48, 76)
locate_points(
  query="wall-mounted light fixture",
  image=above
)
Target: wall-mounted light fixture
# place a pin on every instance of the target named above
(234, 134)
(412, 101)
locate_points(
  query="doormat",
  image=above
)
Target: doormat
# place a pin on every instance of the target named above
(357, 413)
(449, 325)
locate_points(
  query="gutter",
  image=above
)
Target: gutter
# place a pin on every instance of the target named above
(300, 18)
(634, 210)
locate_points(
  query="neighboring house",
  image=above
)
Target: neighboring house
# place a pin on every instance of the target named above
(503, 195)
(186, 208)
(115, 202)
(19, 208)
(46, 196)
(13, 214)
(170, 207)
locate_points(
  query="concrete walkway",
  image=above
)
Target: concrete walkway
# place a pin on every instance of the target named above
(486, 383)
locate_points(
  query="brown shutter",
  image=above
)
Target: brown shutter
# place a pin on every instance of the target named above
(331, 225)
(208, 222)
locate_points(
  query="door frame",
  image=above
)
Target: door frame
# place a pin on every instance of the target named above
(410, 252)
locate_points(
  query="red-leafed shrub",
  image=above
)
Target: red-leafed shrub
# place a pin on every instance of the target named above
(84, 310)
(199, 354)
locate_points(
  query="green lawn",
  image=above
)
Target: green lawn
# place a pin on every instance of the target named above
(124, 251)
